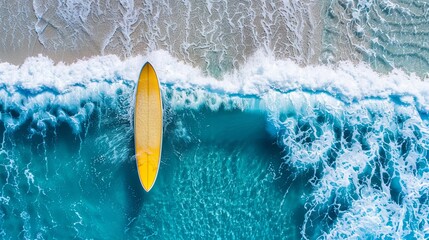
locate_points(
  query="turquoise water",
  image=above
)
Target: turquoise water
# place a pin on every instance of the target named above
(233, 166)
(220, 176)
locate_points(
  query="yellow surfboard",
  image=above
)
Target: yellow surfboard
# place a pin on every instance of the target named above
(148, 126)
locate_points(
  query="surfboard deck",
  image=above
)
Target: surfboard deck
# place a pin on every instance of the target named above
(148, 126)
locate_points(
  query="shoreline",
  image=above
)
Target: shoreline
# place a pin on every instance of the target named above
(216, 38)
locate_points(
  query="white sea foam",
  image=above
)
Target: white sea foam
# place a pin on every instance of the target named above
(368, 160)
(377, 215)
(260, 74)
(39, 84)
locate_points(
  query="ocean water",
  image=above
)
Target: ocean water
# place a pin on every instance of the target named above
(282, 120)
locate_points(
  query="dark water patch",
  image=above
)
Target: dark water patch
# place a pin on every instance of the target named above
(14, 113)
(405, 145)
(2, 131)
(333, 153)
(396, 190)
(348, 135)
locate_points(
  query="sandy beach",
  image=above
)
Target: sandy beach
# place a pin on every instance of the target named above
(217, 37)
(220, 37)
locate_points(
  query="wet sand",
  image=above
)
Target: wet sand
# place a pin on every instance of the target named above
(216, 37)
